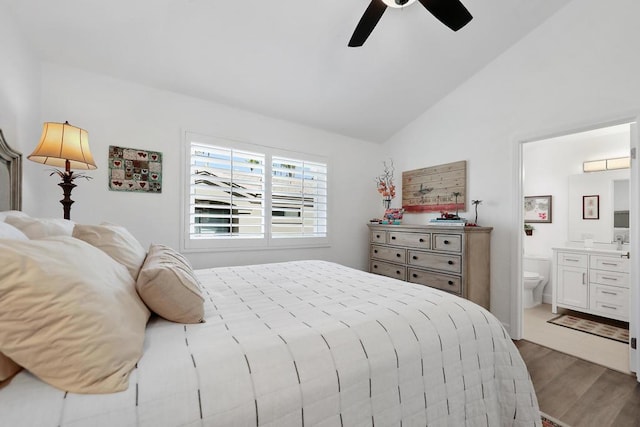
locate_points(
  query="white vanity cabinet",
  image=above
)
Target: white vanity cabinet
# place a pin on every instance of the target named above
(592, 282)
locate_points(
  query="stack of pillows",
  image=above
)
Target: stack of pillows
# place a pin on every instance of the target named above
(75, 300)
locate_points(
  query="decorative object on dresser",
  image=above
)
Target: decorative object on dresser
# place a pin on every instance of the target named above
(453, 259)
(385, 185)
(64, 145)
(528, 229)
(537, 208)
(591, 281)
(132, 169)
(436, 188)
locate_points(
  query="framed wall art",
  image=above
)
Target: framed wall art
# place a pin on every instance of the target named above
(537, 209)
(131, 169)
(591, 207)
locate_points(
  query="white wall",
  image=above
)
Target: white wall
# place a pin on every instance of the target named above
(121, 113)
(577, 68)
(19, 95)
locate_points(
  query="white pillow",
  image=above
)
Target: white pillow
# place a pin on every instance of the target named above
(115, 241)
(8, 231)
(38, 228)
(5, 214)
(69, 314)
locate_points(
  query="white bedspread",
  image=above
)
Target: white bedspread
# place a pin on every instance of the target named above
(306, 343)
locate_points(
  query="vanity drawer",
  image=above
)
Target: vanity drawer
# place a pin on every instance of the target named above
(449, 263)
(447, 242)
(378, 236)
(414, 240)
(603, 262)
(573, 259)
(439, 281)
(609, 301)
(609, 278)
(389, 254)
(387, 269)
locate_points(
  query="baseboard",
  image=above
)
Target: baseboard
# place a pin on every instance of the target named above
(547, 298)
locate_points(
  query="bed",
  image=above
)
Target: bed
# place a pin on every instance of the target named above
(305, 343)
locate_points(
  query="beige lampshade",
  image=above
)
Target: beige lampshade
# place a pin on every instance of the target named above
(61, 142)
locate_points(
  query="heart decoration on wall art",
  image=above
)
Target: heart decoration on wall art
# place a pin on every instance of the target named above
(132, 169)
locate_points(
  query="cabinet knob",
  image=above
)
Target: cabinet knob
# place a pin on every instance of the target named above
(375, 266)
(393, 237)
(414, 275)
(375, 251)
(450, 262)
(377, 236)
(399, 255)
(398, 272)
(421, 240)
(446, 242)
(450, 282)
(415, 257)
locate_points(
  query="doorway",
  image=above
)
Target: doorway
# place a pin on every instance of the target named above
(548, 167)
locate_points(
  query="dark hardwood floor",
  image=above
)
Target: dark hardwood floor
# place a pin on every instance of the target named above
(581, 393)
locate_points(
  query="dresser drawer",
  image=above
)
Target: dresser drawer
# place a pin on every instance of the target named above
(435, 280)
(388, 269)
(609, 278)
(609, 301)
(414, 240)
(607, 263)
(573, 260)
(447, 242)
(389, 254)
(449, 263)
(378, 236)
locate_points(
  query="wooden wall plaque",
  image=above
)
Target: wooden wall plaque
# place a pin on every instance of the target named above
(432, 189)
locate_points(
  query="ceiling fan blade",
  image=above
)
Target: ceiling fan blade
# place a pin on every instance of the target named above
(367, 23)
(451, 13)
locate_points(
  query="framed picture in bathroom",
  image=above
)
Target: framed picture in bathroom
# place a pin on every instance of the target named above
(591, 207)
(537, 209)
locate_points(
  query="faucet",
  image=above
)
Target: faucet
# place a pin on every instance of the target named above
(619, 241)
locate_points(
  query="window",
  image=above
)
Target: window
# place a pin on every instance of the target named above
(246, 196)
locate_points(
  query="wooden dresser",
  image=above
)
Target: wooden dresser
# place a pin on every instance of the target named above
(454, 259)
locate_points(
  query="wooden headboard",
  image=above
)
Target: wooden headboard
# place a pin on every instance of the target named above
(10, 177)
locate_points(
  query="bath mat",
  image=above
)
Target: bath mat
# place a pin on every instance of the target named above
(591, 326)
(548, 421)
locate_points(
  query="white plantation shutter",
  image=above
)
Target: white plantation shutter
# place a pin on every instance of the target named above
(245, 196)
(227, 193)
(298, 198)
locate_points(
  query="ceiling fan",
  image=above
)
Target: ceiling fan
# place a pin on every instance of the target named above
(451, 13)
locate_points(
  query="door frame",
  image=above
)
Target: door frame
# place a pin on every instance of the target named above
(516, 314)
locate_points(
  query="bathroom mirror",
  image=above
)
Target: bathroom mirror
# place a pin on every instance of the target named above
(612, 189)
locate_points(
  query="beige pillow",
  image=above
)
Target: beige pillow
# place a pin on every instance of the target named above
(116, 241)
(38, 228)
(169, 287)
(69, 314)
(8, 368)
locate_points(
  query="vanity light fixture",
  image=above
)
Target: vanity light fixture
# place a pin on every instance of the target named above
(606, 164)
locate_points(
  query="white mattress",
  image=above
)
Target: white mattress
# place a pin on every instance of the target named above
(306, 343)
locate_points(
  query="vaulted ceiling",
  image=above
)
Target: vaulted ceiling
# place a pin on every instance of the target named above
(286, 59)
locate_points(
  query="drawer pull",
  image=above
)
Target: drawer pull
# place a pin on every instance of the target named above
(572, 260)
(609, 278)
(450, 262)
(609, 293)
(446, 242)
(398, 272)
(375, 265)
(415, 276)
(399, 255)
(584, 278)
(377, 236)
(610, 263)
(393, 237)
(450, 282)
(375, 251)
(421, 240)
(609, 307)
(415, 257)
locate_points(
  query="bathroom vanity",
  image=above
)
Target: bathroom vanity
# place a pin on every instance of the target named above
(591, 280)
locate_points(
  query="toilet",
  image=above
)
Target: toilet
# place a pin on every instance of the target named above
(536, 270)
